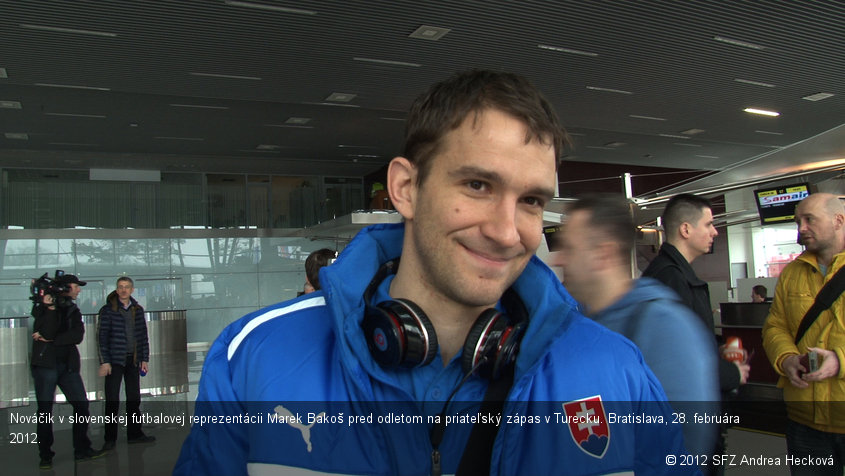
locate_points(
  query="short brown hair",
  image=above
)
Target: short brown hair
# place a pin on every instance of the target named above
(683, 208)
(611, 215)
(446, 105)
(314, 262)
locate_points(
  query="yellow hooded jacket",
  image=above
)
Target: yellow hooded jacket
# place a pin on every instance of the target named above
(822, 404)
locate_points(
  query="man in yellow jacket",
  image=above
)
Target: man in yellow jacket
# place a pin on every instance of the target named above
(815, 401)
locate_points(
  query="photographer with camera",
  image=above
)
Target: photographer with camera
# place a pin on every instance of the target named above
(55, 362)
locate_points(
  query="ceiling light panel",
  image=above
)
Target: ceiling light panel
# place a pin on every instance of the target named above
(608, 90)
(817, 96)
(72, 86)
(567, 50)
(426, 32)
(199, 106)
(10, 105)
(17, 135)
(341, 97)
(648, 118)
(226, 76)
(272, 8)
(298, 120)
(56, 29)
(69, 114)
(761, 112)
(744, 44)
(754, 83)
(3, 74)
(387, 62)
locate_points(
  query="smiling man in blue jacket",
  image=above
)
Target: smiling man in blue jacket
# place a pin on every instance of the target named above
(421, 327)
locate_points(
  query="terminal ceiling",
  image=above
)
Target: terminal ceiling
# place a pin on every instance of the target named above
(321, 87)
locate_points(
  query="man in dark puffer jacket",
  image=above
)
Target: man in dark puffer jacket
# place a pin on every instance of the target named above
(124, 354)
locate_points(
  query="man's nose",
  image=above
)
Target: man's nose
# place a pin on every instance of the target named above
(500, 224)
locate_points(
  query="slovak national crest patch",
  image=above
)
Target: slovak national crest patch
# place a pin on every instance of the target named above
(588, 425)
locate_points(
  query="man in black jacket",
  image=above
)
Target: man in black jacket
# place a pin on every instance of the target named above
(688, 224)
(124, 354)
(57, 330)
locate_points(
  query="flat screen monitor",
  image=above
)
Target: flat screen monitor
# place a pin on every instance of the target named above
(777, 204)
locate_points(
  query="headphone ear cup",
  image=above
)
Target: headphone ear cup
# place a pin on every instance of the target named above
(399, 334)
(419, 335)
(483, 342)
(384, 336)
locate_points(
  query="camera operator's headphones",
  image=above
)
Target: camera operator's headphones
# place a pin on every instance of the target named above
(399, 334)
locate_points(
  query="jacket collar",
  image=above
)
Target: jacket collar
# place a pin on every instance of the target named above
(549, 305)
(671, 252)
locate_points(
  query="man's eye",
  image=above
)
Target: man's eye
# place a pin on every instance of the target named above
(476, 185)
(533, 201)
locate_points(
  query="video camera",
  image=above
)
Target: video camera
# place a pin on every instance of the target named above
(45, 285)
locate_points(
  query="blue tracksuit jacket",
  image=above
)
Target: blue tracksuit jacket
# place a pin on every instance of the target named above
(292, 389)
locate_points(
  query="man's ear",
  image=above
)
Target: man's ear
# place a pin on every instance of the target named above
(684, 230)
(606, 254)
(402, 186)
(838, 221)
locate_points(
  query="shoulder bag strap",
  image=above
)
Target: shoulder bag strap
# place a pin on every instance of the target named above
(479, 448)
(824, 299)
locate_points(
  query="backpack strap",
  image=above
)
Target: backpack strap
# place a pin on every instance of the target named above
(824, 299)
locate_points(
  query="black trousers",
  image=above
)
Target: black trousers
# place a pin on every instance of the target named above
(46, 381)
(127, 373)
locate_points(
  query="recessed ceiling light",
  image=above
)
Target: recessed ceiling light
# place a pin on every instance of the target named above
(393, 119)
(649, 118)
(68, 114)
(196, 139)
(599, 147)
(770, 133)
(67, 30)
(198, 106)
(226, 76)
(608, 90)
(432, 33)
(10, 105)
(744, 44)
(268, 147)
(615, 144)
(708, 156)
(388, 62)
(346, 146)
(74, 144)
(687, 145)
(291, 126)
(674, 136)
(692, 132)
(330, 104)
(273, 8)
(71, 86)
(817, 96)
(567, 50)
(298, 120)
(762, 112)
(3, 74)
(17, 135)
(341, 97)
(754, 83)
